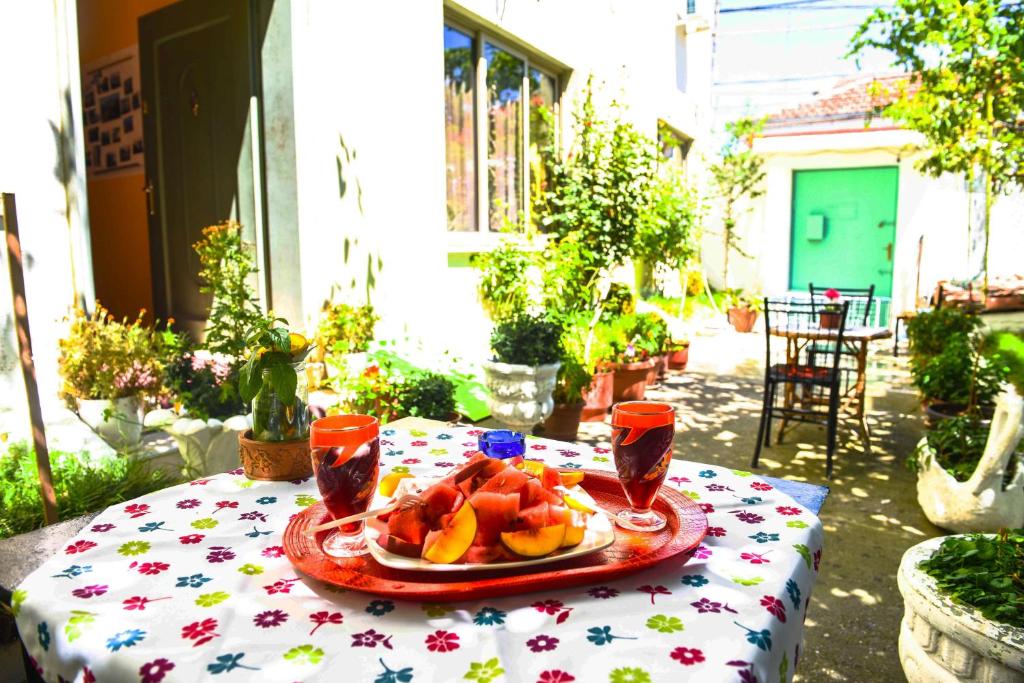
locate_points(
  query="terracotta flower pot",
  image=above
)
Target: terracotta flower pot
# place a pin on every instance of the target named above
(598, 398)
(829, 320)
(564, 422)
(678, 359)
(274, 460)
(631, 380)
(656, 373)
(743, 319)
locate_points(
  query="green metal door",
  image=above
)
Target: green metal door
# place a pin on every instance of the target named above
(844, 228)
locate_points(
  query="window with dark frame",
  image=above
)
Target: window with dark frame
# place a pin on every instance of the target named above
(500, 121)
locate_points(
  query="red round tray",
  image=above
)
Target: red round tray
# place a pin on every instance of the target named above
(631, 552)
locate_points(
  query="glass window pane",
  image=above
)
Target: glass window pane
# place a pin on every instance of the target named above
(460, 150)
(543, 132)
(505, 75)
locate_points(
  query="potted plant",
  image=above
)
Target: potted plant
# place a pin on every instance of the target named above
(964, 609)
(342, 330)
(742, 310)
(273, 379)
(573, 380)
(108, 367)
(678, 353)
(830, 316)
(650, 334)
(430, 395)
(521, 378)
(630, 359)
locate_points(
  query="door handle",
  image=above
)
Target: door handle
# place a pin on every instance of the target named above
(149, 199)
(888, 252)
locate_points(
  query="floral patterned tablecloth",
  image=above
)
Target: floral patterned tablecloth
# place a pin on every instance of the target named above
(192, 583)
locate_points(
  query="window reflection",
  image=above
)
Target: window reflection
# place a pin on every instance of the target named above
(505, 74)
(460, 152)
(543, 141)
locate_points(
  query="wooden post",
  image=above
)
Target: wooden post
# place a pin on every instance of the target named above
(28, 368)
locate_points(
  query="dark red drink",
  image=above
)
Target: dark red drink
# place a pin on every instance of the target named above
(642, 433)
(346, 456)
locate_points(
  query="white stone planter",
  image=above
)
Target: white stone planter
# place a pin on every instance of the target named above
(981, 503)
(208, 446)
(118, 422)
(943, 642)
(520, 395)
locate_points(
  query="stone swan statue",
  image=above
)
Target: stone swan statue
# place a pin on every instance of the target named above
(982, 503)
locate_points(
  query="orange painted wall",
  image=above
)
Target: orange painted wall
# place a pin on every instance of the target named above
(117, 205)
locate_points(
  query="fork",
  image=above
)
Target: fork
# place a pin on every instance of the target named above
(405, 502)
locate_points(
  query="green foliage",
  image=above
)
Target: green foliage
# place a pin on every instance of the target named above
(81, 486)
(574, 375)
(929, 331)
(226, 269)
(737, 176)
(984, 572)
(429, 395)
(506, 275)
(374, 391)
(738, 298)
(527, 340)
(669, 232)
(650, 333)
(344, 328)
(270, 378)
(634, 338)
(103, 358)
(1007, 350)
(619, 301)
(965, 87)
(958, 443)
(205, 384)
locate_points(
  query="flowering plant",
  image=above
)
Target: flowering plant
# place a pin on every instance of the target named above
(205, 383)
(834, 301)
(374, 392)
(103, 358)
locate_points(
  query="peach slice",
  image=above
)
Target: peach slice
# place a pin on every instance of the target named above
(452, 542)
(534, 542)
(573, 536)
(533, 467)
(570, 479)
(389, 482)
(577, 505)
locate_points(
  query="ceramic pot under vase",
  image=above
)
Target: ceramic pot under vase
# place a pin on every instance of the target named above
(944, 642)
(598, 398)
(630, 382)
(563, 424)
(520, 395)
(678, 359)
(117, 421)
(742, 319)
(829, 320)
(274, 460)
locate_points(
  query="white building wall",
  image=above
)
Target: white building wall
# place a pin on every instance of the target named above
(372, 74)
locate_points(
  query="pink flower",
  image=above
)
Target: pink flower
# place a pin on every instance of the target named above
(273, 551)
(79, 547)
(687, 656)
(475, 432)
(555, 676)
(701, 552)
(602, 451)
(280, 586)
(324, 617)
(219, 553)
(706, 508)
(539, 447)
(542, 643)
(761, 486)
(223, 504)
(755, 558)
(199, 482)
(411, 461)
(418, 443)
(101, 528)
(191, 538)
(548, 606)
(187, 504)
(775, 607)
(832, 294)
(152, 568)
(154, 672)
(89, 591)
(137, 510)
(442, 641)
(787, 510)
(270, 618)
(371, 638)
(817, 558)
(716, 531)
(200, 631)
(603, 592)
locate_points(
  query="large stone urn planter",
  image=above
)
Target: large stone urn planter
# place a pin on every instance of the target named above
(118, 422)
(943, 642)
(983, 502)
(520, 395)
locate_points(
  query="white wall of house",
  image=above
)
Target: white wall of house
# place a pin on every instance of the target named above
(934, 207)
(371, 74)
(40, 147)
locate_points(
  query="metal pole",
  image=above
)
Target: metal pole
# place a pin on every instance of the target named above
(28, 368)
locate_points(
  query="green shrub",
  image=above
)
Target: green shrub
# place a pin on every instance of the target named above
(950, 375)
(929, 332)
(344, 328)
(1007, 350)
(527, 340)
(619, 302)
(429, 395)
(984, 572)
(80, 485)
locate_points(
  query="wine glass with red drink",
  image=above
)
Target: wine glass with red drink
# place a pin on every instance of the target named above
(346, 455)
(642, 433)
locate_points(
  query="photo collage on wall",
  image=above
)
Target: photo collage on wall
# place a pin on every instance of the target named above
(112, 112)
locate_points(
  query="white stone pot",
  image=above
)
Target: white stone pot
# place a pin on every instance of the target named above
(520, 395)
(208, 446)
(943, 642)
(981, 503)
(118, 422)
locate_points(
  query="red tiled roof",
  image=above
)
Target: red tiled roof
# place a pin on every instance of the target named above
(851, 98)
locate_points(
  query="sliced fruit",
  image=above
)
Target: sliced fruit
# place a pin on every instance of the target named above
(534, 542)
(573, 536)
(409, 525)
(399, 547)
(389, 483)
(550, 478)
(297, 344)
(570, 478)
(508, 480)
(495, 512)
(452, 542)
(533, 517)
(533, 467)
(439, 500)
(576, 504)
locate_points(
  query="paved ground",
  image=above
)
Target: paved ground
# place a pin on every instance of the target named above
(870, 518)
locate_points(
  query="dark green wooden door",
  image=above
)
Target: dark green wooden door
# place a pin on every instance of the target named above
(195, 59)
(844, 228)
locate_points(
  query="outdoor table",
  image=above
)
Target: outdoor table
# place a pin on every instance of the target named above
(855, 340)
(192, 581)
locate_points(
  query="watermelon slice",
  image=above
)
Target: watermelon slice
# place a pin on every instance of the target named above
(509, 480)
(439, 500)
(533, 517)
(409, 525)
(495, 512)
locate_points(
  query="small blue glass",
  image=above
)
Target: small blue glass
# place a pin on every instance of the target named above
(503, 444)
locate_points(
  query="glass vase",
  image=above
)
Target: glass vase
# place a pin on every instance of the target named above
(276, 420)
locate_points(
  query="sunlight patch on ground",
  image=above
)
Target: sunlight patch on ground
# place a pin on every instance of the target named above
(912, 530)
(878, 475)
(865, 598)
(859, 492)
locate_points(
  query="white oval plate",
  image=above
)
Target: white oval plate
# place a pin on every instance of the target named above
(599, 535)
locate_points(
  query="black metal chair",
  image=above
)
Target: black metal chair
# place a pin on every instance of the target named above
(802, 382)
